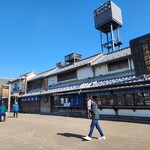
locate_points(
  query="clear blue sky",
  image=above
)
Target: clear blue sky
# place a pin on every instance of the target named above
(37, 34)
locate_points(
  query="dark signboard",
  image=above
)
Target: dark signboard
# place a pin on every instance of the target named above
(140, 49)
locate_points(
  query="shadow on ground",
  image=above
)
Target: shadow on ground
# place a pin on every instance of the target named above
(10, 117)
(71, 135)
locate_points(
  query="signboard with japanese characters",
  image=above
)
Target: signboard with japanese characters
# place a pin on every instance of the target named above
(140, 49)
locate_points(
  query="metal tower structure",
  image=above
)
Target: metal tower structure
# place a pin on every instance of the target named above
(108, 19)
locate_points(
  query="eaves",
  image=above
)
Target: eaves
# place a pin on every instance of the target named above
(71, 67)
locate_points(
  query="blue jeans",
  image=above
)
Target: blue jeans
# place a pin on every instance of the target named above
(93, 124)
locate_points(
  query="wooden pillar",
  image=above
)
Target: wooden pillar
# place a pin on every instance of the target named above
(9, 97)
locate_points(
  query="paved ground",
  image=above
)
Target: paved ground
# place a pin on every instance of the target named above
(43, 132)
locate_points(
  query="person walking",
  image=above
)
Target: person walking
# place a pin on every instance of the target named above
(16, 109)
(3, 111)
(94, 117)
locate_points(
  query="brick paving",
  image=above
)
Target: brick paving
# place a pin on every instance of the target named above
(45, 132)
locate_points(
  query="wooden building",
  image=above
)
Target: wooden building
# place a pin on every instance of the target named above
(110, 78)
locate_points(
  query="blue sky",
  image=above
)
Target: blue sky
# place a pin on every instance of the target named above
(37, 34)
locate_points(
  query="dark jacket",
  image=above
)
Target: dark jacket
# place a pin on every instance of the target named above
(94, 111)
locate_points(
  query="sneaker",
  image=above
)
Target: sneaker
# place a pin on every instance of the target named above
(87, 138)
(102, 138)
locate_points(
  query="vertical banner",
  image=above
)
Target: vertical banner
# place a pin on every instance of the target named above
(140, 49)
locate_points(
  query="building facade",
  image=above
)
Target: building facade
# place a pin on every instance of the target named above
(119, 80)
(109, 78)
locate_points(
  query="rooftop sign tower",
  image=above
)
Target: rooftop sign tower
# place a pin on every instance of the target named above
(108, 19)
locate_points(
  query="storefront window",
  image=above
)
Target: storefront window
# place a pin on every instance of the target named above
(67, 101)
(121, 99)
(147, 98)
(98, 100)
(129, 99)
(110, 100)
(107, 100)
(64, 101)
(61, 101)
(138, 99)
(56, 101)
(103, 100)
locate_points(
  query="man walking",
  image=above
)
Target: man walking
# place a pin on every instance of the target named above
(94, 117)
